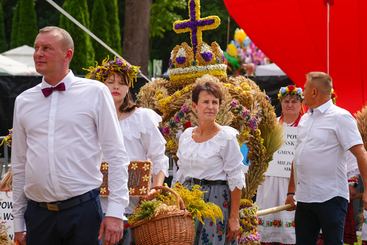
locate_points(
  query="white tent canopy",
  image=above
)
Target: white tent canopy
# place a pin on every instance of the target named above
(12, 67)
(269, 70)
(22, 54)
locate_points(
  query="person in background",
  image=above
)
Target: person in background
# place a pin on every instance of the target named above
(325, 133)
(278, 228)
(142, 138)
(209, 155)
(61, 127)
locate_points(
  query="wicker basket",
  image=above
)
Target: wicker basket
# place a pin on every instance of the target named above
(168, 229)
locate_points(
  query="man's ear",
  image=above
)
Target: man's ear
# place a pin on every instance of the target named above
(315, 92)
(69, 54)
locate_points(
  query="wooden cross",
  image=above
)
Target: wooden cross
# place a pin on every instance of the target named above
(195, 25)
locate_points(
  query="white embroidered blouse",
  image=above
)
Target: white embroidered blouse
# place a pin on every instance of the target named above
(218, 158)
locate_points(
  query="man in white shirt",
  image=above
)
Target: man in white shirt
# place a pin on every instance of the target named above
(61, 128)
(320, 182)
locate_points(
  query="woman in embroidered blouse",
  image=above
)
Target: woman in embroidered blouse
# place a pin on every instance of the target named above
(209, 155)
(139, 126)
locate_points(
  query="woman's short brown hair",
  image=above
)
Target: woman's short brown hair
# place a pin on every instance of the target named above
(207, 83)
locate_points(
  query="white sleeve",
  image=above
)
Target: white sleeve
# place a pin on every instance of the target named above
(18, 162)
(155, 147)
(114, 152)
(233, 165)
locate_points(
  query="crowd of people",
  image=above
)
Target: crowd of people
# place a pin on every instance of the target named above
(65, 126)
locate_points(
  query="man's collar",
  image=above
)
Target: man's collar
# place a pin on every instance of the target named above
(322, 108)
(66, 80)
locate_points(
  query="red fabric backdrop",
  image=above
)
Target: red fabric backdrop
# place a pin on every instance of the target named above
(293, 33)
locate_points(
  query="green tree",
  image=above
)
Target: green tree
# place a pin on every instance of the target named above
(163, 15)
(24, 25)
(100, 27)
(84, 52)
(113, 24)
(3, 43)
(14, 27)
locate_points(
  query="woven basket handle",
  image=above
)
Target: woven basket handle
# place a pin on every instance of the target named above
(179, 201)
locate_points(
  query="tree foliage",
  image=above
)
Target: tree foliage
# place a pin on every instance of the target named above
(84, 52)
(114, 25)
(163, 15)
(24, 24)
(14, 28)
(100, 27)
(3, 43)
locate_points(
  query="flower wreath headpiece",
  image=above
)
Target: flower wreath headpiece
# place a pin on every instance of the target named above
(117, 65)
(290, 90)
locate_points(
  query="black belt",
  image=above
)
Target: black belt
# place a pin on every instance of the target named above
(208, 182)
(69, 203)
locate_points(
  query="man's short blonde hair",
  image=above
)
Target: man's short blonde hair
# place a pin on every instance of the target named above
(66, 38)
(321, 80)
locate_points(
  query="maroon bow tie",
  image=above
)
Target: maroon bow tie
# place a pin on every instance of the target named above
(47, 91)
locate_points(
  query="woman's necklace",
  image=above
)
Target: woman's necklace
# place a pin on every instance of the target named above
(291, 124)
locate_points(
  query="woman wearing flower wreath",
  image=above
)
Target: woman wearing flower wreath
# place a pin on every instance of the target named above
(139, 126)
(278, 228)
(209, 155)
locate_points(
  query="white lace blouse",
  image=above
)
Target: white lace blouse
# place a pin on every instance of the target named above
(218, 158)
(143, 140)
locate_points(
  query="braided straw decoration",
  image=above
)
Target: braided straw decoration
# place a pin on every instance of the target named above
(361, 117)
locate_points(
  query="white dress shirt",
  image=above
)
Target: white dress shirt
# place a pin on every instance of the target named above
(58, 143)
(143, 141)
(324, 136)
(218, 158)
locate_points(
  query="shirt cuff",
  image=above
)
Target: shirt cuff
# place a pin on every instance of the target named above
(115, 210)
(161, 164)
(237, 181)
(19, 225)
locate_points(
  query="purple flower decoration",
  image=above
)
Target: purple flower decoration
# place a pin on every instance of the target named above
(185, 108)
(234, 103)
(207, 56)
(165, 131)
(118, 62)
(180, 60)
(245, 113)
(177, 119)
(252, 123)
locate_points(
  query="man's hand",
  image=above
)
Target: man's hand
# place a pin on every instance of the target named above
(233, 229)
(19, 238)
(290, 200)
(111, 230)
